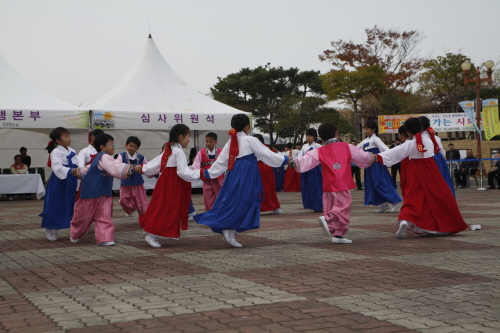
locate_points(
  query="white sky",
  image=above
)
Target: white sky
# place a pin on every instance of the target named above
(77, 50)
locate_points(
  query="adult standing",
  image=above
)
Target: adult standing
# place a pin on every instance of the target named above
(24, 157)
(356, 173)
(395, 167)
(452, 153)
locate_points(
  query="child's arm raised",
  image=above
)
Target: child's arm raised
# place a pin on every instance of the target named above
(265, 155)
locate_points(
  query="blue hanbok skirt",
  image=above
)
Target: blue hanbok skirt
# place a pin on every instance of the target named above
(379, 187)
(279, 174)
(311, 183)
(443, 168)
(237, 206)
(59, 202)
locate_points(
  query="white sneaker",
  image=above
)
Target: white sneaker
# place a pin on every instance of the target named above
(276, 211)
(57, 232)
(128, 215)
(324, 226)
(50, 235)
(395, 206)
(151, 240)
(73, 240)
(107, 244)
(403, 225)
(190, 216)
(382, 208)
(342, 240)
(227, 235)
(229, 238)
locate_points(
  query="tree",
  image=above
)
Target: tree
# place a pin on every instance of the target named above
(394, 51)
(263, 90)
(443, 78)
(351, 86)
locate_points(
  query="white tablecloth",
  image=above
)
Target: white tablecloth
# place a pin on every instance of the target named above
(14, 184)
(149, 183)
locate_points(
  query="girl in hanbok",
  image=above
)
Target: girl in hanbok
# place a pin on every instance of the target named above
(168, 209)
(132, 192)
(237, 208)
(60, 195)
(379, 187)
(439, 153)
(429, 206)
(96, 192)
(310, 181)
(270, 202)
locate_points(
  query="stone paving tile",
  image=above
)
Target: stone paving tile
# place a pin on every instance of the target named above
(36, 258)
(312, 235)
(262, 257)
(438, 309)
(117, 302)
(38, 244)
(483, 236)
(5, 288)
(479, 262)
(353, 277)
(391, 246)
(297, 316)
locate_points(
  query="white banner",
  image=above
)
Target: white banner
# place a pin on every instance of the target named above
(43, 119)
(161, 121)
(440, 122)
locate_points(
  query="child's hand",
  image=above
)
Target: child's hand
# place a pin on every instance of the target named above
(138, 168)
(74, 172)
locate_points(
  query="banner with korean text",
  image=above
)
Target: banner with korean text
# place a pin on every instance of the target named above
(489, 115)
(43, 119)
(161, 121)
(440, 122)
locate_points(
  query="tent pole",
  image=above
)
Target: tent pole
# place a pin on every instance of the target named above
(196, 141)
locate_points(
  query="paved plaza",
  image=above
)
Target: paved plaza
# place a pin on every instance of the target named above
(288, 277)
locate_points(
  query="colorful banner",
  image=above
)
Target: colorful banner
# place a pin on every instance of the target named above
(468, 107)
(160, 121)
(489, 115)
(441, 122)
(43, 119)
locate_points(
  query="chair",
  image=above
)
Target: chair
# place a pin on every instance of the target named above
(472, 173)
(41, 172)
(6, 171)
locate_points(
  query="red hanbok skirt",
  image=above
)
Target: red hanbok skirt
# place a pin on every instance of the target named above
(428, 201)
(167, 212)
(292, 181)
(270, 201)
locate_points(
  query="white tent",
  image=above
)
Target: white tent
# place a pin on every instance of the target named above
(28, 114)
(152, 98)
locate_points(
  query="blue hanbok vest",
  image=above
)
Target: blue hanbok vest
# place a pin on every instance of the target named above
(136, 178)
(95, 183)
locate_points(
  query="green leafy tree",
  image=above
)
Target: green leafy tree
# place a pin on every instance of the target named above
(351, 86)
(263, 91)
(443, 79)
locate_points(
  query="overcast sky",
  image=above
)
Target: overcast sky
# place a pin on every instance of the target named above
(77, 50)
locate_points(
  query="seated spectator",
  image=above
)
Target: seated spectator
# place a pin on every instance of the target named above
(452, 153)
(25, 158)
(18, 168)
(492, 174)
(466, 168)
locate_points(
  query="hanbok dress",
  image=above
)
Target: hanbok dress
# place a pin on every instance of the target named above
(132, 192)
(429, 206)
(379, 187)
(59, 202)
(439, 157)
(211, 187)
(310, 182)
(168, 209)
(238, 205)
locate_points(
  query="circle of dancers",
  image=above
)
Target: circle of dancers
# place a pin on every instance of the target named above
(239, 182)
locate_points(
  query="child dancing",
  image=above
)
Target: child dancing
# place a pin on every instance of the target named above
(96, 202)
(379, 187)
(429, 206)
(237, 208)
(59, 200)
(132, 193)
(168, 209)
(203, 160)
(310, 181)
(335, 159)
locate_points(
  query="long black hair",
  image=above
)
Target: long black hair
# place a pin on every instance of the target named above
(55, 135)
(426, 123)
(413, 126)
(176, 131)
